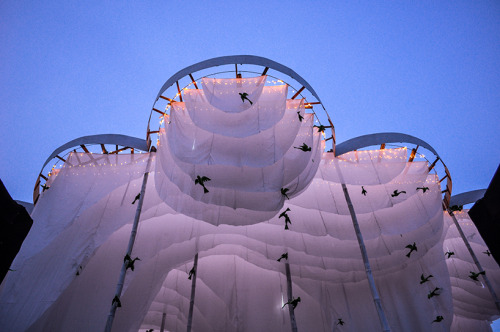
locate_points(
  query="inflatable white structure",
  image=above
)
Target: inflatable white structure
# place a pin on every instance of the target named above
(245, 207)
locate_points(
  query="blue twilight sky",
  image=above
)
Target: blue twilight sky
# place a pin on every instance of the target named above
(426, 68)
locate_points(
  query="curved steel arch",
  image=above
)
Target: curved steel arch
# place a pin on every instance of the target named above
(115, 139)
(380, 138)
(467, 197)
(235, 59)
(383, 138)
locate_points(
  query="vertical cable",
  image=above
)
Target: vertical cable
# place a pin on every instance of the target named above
(163, 318)
(364, 254)
(133, 233)
(290, 297)
(193, 289)
(474, 258)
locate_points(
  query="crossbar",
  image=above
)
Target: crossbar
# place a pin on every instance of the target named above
(298, 92)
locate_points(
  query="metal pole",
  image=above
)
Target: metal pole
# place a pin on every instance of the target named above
(193, 289)
(290, 297)
(371, 281)
(163, 318)
(121, 280)
(364, 254)
(474, 258)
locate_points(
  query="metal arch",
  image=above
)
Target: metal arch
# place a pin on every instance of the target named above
(467, 197)
(235, 59)
(380, 138)
(116, 139)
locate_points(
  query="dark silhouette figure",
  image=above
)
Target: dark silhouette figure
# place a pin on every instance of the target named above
(244, 96)
(454, 208)
(435, 292)
(449, 253)
(340, 322)
(474, 275)
(116, 300)
(424, 189)
(300, 116)
(438, 319)
(363, 192)
(321, 128)
(201, 181)
(424, 280)
(412, 247)
(191, 273)
(283, 256)
(130, 262)
(287, 218)
(136, 198)
(304, 147)
(397, 193)
(293, 302)
(284, 192)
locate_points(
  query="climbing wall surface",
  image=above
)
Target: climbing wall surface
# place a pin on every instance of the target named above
(68, 229)
(240, 198)
(274, 147)
(473, 305)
